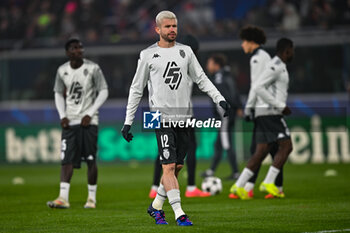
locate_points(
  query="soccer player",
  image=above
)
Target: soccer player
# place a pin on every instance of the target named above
(191, 189)
(253, 38)
(271, 87)
(80, 89)
(222, 79)
(168, 69)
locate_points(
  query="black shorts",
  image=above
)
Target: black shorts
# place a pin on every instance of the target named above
(271, 129)
(78, 144)
(173, 144)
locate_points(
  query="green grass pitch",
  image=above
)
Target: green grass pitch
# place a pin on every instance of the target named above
(313, 202)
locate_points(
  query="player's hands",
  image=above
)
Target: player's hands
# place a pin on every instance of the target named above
(125, 132)
(225, 106)
(86, 121)
(286, 111)
(65, 123)
(247, 118)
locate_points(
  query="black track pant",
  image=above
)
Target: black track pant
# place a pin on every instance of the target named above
(224, 143)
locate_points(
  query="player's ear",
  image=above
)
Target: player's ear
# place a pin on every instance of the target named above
(287, 52)
(157, 29)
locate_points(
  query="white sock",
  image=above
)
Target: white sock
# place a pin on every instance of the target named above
(160, 198)
(92, 192)
(64, 190)
(244, 177)
(154, 187)
(191, 188)
(280, 188)
(271, 175)
(175, 202)
(249, 186)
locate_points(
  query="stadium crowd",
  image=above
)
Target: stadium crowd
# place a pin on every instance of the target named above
(46, 24)
(40, 23)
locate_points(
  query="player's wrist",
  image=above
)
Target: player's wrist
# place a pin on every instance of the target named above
(128, 122)
(126, 128)
(247, 111)
(90, 114)
(282, 106)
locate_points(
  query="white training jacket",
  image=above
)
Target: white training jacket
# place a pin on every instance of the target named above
(272, 88)
(258, 63)
(85, 89)
(169, 74)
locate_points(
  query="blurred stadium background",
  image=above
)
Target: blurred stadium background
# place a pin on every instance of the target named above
(32, 35)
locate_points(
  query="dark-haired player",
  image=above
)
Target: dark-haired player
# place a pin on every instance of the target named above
(80, 90)
(221, 77)
(252, 40)
(272, 88)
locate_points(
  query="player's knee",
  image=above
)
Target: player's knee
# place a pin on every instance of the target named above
(91, 164)
(287, 147)
(290, 147)
(169, 168)
(67, 167)
(261, 152)
(179, 167)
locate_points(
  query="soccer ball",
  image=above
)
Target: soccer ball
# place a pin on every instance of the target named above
(212, 185)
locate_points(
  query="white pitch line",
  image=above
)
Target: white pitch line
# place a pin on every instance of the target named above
(342, 230)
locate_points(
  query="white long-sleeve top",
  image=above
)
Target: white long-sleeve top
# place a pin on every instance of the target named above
(85, 89)
(169, 74)
(258, 63)
(272, 88)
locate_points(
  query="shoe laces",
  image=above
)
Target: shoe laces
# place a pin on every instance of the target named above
(184, 218)
(159, 216)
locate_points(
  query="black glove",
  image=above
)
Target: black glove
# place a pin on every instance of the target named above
(287, 111)
(225, 106)
(126, 135)
(247, 118)
(251, 116)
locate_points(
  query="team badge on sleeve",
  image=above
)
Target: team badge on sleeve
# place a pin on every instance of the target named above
(182, 53)
(86, 72)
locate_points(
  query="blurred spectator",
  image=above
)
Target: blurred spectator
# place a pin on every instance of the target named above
(321, 14)
(45, 21)
(68, 25)
(276, 12)
(198, 16)
(291, 18)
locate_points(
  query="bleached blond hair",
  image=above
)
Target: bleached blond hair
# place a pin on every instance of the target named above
(164, 15)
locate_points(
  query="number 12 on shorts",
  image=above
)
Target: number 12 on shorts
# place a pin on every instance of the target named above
(164, 139)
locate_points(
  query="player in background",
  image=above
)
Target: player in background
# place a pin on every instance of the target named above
(253, 38)
(272, 88)
(220, 75)
(80, 90)
(168, 69)
(191, 190)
